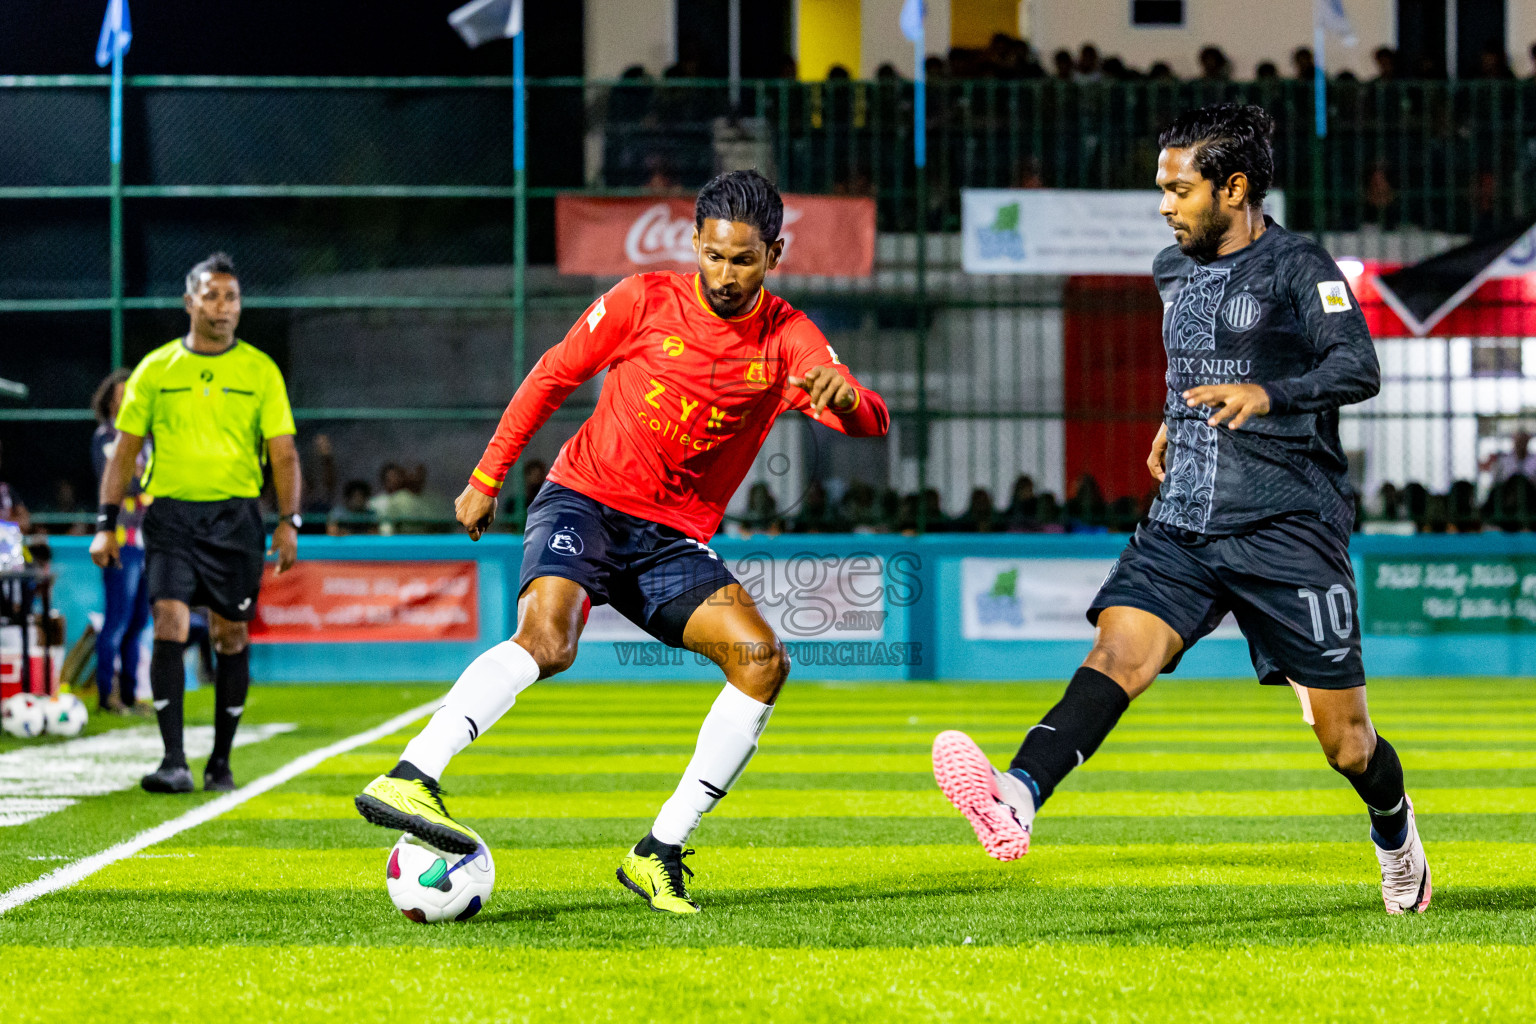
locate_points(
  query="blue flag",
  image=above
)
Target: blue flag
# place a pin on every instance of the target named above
(116, 33)
(912, 14)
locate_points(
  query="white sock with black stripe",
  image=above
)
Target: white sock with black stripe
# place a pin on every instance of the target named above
(486, 690)
(727, 740)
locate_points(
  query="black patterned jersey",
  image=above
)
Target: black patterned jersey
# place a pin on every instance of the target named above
(1277, 313)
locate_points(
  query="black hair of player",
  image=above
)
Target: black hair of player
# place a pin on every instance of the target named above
(1228, 139)
(745, 197)
(218, 263)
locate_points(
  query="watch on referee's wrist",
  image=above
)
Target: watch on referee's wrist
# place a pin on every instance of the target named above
(296, 521)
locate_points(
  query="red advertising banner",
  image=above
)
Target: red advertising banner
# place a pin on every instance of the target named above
(824, 236)
(332, 602)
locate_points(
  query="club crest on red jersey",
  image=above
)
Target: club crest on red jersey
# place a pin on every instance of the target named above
(672, 345)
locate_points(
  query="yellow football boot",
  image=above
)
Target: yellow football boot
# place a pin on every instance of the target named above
(658, 877)
(415, 805)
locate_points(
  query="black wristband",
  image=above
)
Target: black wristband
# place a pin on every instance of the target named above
(106, 518)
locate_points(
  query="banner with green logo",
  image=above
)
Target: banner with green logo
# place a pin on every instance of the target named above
(1421, 596)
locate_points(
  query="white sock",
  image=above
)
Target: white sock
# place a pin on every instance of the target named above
(727, 740)
(486, 690)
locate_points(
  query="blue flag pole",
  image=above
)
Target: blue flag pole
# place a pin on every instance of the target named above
(1319, 76)
(920, 100)
(519, 230)
(115, 180)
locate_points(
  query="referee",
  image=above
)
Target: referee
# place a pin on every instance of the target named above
(217, 410)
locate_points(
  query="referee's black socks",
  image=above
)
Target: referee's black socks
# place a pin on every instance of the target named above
(1071, 731)
(1381, 787)
(168, 681)
(231, 683)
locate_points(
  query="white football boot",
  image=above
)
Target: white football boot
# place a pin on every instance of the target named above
(1405, 885)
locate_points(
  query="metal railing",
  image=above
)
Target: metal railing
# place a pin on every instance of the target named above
(358, 198)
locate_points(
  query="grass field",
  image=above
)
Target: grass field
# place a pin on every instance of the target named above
(1205, 865)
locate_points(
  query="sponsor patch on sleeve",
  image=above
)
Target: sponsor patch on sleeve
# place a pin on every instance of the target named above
(596, 316)
(1335, 296)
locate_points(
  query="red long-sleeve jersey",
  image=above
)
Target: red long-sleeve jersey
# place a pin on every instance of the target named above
(686, 405)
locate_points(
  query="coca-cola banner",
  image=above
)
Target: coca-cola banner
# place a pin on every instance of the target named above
(826, 236)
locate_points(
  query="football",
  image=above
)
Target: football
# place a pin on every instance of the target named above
(22, 715)
(429, 885)
(65, 715)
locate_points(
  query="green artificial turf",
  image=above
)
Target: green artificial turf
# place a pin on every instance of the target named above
(1206, 865)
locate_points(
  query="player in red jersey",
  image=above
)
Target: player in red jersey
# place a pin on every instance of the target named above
(699, 367)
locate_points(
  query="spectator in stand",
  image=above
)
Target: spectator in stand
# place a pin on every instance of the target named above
(1214, 66)
(125, 587)
(860, 509)
(1302, 64)
(319, 487)
(1086, 509)
(1266, 72)
(1518, 461)
(815, 514)
(1388, 502)
(980, 516)
(1161, 72)
(1533, 62)
(1065, 66)
(1493, 63)
(1048, 513)
(1386, 63)
(1022, 506)
(534, 472)
(353, 515)
(13, 509)
(1088, 68)
(65, 504)
(762, 511)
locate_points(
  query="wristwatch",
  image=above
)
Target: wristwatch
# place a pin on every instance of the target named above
(296, 521)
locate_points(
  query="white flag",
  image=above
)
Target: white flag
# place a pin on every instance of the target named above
(912, 15)
(1329, 15)
(481, 21)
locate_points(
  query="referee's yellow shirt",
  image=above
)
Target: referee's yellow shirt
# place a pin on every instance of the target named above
(210, 416)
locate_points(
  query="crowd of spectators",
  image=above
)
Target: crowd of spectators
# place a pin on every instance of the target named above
(857, 507)
(1008, 58)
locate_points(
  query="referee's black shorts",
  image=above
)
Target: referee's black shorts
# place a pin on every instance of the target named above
(1289, 583)
(205, 553)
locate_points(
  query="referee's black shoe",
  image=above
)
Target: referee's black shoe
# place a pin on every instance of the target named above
(168, 778)
(217, 778)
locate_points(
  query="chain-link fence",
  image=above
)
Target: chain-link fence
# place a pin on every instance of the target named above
(374, 222)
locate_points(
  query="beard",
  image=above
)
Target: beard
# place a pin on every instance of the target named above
(1204, 236)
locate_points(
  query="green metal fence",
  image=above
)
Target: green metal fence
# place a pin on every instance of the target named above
(356, 199)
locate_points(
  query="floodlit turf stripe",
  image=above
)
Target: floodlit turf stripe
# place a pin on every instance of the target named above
(1351, 983)
(873, 869)
(1286, 739)
(73, 873)
(748, 802)
(768, 761)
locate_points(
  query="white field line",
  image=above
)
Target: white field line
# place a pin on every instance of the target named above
(70, 874)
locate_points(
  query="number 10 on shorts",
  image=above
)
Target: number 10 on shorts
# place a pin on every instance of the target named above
(1341, 615)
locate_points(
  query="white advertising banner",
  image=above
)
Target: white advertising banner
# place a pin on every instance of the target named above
(1036, 598)
(1068, 230)
(805, 598)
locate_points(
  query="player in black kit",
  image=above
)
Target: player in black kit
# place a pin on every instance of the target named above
(1265, 343)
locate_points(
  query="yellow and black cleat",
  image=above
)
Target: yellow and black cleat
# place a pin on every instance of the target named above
(658, 877)
(415, 805)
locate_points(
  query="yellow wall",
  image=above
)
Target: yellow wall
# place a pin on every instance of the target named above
(830, 33)
(973, 23)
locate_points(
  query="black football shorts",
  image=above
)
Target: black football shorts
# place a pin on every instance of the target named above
(1289, 583)
(654, 575)
(205, 553)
